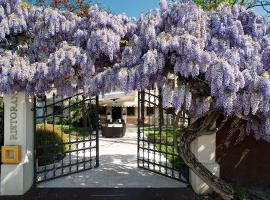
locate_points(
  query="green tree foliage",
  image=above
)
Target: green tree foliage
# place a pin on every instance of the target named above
(213, 4)
(209, 5)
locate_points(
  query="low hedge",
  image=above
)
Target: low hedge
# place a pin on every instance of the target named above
(47, 138)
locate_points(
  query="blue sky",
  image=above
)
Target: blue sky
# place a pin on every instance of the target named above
(134, 8)
(261, 11)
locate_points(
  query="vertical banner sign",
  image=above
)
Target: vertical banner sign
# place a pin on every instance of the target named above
(13, 118)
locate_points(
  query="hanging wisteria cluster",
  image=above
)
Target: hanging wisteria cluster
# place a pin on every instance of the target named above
(218, 59)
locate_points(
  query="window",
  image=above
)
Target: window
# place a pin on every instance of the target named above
(130, 111)
(150, 111)
(102, 110)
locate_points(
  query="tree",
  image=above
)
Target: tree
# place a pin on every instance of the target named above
(219, 58)
(248, 4)
(79, 7)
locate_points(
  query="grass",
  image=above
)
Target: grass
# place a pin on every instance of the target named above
(161, 139)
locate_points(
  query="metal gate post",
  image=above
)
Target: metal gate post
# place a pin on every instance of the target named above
(160, 110)
(142, 107)
(35, 140)
(138, 127)
(97, 131)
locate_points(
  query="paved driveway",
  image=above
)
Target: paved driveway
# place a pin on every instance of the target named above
(118, 168)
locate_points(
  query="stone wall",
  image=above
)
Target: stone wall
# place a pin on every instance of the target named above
(242, 159)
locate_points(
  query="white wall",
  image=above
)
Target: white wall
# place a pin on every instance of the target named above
(204, 149)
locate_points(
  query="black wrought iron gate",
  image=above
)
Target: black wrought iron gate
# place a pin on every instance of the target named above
(67, 139)
(66, 135)
(157, 136)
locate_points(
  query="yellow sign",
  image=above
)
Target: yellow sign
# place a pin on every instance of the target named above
(11, 154)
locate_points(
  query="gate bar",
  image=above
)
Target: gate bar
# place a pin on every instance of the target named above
(97, 131)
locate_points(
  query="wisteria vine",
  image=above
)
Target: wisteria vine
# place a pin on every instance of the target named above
(218, 59)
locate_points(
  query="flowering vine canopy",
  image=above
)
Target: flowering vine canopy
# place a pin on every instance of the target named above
(220, 59)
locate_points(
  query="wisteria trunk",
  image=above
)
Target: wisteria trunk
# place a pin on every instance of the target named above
(206, 125)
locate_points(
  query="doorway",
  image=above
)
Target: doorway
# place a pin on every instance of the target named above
(116, 113)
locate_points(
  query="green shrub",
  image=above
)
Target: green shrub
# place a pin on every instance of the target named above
(47, 138)
(57, 119)
(241, 194)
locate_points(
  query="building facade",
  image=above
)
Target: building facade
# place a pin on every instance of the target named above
(118, 105)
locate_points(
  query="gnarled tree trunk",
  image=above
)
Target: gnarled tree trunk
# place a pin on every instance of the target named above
(209, 124)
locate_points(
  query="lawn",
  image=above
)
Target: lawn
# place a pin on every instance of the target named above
(161, 139)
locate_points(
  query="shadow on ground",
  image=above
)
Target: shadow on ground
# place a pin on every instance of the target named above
(115, 171)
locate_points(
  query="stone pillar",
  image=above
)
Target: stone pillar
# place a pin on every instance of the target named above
(204, 148)
(16, 179)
